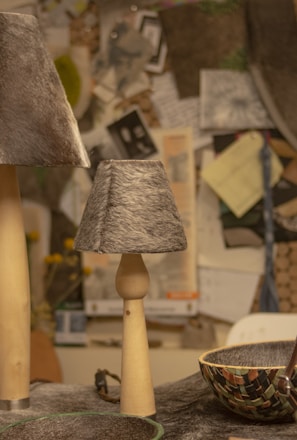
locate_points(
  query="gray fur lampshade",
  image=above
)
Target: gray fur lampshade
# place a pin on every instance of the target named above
(131, 209)
(37, 126)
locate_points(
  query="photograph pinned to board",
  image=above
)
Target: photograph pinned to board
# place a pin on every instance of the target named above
(131, 136)
(148, 24)
(120, 70)
(117, 11)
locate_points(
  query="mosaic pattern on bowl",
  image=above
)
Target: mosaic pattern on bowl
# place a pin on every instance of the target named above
(251, 390)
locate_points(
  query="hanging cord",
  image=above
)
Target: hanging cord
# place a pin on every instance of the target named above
(268, 295)
(101, 385)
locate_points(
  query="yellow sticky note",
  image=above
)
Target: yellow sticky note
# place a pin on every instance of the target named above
(236, 175)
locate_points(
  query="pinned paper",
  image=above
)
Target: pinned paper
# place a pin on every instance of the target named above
(225, 294)
(148, 24)
(230, 101)
(174, 112)
(212, 250)
(236, 175)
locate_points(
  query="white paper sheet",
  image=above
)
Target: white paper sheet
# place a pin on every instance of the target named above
(230, 101)
(174, 112)
(226, 295)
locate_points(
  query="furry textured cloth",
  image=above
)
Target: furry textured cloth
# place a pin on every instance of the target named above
(186, 409)
(199, 37)
(131, 209)
(272, 53)
(37, 126)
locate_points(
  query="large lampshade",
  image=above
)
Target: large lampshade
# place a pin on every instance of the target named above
(37, 126)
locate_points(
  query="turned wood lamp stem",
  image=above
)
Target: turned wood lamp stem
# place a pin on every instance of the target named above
(137, 394)
(131, 211)
(14, 297)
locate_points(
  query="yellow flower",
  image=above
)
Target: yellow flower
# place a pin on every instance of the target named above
(48, 259)
(87, 270)
(68, 243)
(53, 258)
(71, 260)
(73, 276)
(57, 258)
(33, 236)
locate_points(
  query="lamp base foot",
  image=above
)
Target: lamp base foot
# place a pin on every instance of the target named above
(10, 405)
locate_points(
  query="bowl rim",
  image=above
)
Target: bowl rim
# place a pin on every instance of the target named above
(159, 430)
(202, 361)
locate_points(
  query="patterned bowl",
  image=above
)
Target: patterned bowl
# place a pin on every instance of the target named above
(247, 379)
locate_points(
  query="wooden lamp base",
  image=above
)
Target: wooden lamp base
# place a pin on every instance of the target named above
(14, 297)
(137, 393)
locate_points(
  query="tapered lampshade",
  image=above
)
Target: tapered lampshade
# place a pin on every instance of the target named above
(131, 209)
(37, 126)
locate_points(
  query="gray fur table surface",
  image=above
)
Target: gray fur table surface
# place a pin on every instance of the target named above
(186, 409)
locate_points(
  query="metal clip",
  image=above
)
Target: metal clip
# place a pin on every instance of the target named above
(284, 385)
(101, 385)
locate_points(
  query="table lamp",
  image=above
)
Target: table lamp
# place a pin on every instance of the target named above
(130, 211)
(37, 128)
